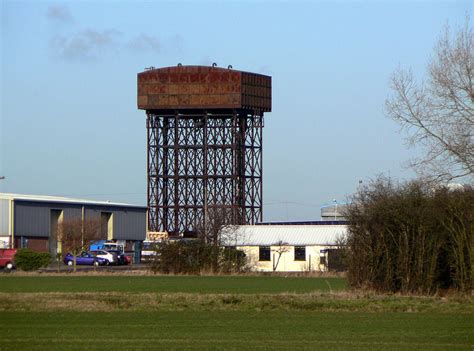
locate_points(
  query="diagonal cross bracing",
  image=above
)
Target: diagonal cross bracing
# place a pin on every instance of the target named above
(199, 161)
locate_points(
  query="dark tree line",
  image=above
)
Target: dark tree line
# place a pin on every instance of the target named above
(411, 237)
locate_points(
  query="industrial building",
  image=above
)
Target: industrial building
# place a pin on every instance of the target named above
(28, 221)
(289, 247)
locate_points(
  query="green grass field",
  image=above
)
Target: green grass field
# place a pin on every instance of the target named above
(78, 312)
(168, 284)
(235, 330)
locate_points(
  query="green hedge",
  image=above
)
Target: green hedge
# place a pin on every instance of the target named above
(29, 260)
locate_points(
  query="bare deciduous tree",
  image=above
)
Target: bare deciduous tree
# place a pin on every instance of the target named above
(281, 248)
(75, 235)
(210, 230)
(439, 114)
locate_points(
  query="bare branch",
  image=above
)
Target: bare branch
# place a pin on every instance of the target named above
(439, 115)
(75, 235)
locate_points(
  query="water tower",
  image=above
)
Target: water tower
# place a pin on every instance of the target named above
(204, 145)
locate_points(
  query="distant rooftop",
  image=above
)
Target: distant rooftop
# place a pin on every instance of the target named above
(60, 199)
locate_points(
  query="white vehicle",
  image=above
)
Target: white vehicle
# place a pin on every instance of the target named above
(148, 250)
(111, 257)
(113, 246)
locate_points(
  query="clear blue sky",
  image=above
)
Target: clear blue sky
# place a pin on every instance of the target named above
(70, 126)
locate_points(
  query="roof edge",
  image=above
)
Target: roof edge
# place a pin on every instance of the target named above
(60, 199)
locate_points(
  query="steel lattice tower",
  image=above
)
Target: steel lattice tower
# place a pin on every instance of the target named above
(204, 134)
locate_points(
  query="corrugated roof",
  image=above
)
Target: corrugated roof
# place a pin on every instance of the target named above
(320, 222)
(294, 235)
(59, 199)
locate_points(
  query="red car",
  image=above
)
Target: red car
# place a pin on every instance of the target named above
(128, 259)
(7, 258)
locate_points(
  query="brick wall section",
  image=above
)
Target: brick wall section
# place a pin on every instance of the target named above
(38, 244)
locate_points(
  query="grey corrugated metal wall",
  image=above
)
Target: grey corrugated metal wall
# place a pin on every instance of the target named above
(4, 217)
(33, 218)
(129, 223)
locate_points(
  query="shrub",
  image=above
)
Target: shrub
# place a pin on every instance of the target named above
(29, 260)
(411, 237)
(232, 260)
(196, 256)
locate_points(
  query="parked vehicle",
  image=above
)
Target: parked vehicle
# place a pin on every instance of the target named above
(113, 246)
(110, 256)
(128, 259)
(121, 258)
(149, 250)
(7, 258)
(107, 246)
(85, 258)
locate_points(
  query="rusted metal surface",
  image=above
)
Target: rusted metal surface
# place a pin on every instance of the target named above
(202, 87)
(206, 155)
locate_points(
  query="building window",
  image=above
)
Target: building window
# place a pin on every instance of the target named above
(300, 253)
(264, 253)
